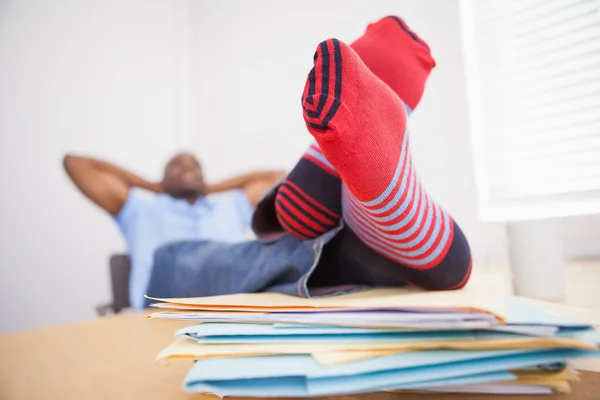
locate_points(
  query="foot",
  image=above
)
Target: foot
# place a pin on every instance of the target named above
(358, 121)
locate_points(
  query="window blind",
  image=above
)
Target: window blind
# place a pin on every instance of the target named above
(533, 83)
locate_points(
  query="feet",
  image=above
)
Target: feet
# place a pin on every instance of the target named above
(360, 125)
(309, 201)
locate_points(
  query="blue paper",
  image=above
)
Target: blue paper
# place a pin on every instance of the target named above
(214, 369)
(266, 387)
(399, 378)
(521, 312)
(391, 378)
(377, 337)
(260, 334)
(461, 380)
(226, 329)
(296, 386)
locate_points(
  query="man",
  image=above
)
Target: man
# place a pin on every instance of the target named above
(182, 208)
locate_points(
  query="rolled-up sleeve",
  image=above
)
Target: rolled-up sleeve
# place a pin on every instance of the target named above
(127, 217)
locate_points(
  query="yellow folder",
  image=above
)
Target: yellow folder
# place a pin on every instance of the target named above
(190, 349)
(480, 295)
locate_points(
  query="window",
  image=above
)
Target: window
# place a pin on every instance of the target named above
(533, 84)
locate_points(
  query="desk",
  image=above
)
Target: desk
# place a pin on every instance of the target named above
(113, 358)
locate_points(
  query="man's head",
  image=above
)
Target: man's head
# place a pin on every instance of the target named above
(183, 177)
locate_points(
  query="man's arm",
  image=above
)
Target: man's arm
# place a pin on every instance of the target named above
(255, 184)
(105, 184)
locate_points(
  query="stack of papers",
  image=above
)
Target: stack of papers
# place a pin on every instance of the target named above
(475, 340)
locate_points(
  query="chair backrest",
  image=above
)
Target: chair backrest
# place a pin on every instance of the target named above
(120, 271)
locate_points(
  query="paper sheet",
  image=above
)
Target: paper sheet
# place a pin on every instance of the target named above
(541, 375)
(590, 316)
(522, 317)
(189, 348)
(299, 387)
(332, 358)
(533, 381)
(321, 383)
(264, 333)
(495, 388)
(379, 337)
(229, 329)
(523, 312)
(221, 369)
(364, 319)
(480, 295)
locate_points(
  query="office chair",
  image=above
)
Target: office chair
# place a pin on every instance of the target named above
(120, 271)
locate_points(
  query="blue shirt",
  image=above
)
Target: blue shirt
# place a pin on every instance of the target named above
(150, 221)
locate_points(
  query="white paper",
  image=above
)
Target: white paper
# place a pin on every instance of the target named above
(375, 319)
(493, 388)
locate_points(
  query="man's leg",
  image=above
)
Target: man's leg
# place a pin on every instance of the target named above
(208, 268)
(309, 200)
(360, 124)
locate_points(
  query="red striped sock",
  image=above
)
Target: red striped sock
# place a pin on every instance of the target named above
(399, 58)
(360, 124)
(308, 203)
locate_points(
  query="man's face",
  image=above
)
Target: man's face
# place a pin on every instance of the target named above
(183, 177)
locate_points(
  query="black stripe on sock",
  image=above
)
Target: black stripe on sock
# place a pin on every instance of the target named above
(311, 86)
(285, 221)
(315, 126)
(324, 227)
(318, 184)
(337, 60)
(290, 228)
(408, 31)
(299, 222)
(324, 81)
(325, 76)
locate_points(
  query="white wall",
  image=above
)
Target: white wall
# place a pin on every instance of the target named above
(85, 76)
(581, 237)
(134, 80)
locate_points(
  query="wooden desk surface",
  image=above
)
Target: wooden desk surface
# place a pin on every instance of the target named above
(113, 358)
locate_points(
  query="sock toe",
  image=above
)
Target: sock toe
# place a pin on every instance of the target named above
(321, 99)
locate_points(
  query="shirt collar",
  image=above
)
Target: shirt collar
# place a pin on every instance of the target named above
(204, 202)
(201, 204)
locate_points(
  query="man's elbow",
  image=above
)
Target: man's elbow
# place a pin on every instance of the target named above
(72, 163)
(68, 161)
